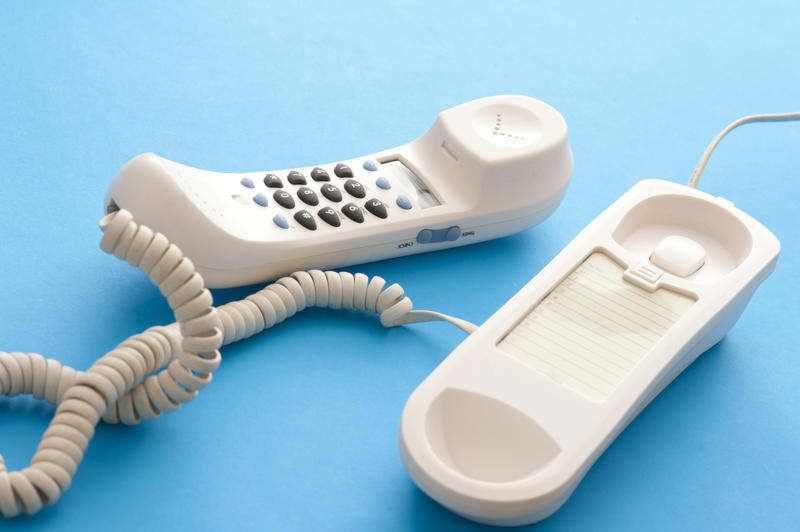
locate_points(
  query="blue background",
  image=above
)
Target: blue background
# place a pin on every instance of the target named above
(298, 430)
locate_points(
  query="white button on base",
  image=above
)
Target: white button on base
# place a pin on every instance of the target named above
(679, 255)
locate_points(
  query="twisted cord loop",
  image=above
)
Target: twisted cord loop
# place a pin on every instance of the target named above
(164, 367)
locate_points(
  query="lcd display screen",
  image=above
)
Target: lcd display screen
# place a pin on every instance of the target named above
(412, 185)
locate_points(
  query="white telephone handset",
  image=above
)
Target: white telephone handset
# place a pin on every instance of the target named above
(485, 169)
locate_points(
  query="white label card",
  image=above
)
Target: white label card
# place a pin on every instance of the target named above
(590, 331)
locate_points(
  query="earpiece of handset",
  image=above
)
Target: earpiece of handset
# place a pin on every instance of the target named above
(510, 151)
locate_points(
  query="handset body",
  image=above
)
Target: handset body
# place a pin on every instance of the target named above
(485, 169)
(505, 428)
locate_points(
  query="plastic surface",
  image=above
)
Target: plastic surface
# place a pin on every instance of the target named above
(505, 428)
(492, 167)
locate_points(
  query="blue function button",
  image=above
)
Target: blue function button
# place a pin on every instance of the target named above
(260, 199)
(247, 182)
(403, 202)
(281, 221)
(383, 183)
(453, 233)
(370, 166)
(432, 236)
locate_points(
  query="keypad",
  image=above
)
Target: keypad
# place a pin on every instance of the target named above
(307, 196)
(273, 181)
(354, 212)
(298, 189)
(306, 219)
(329, 215)
(354, 188)
(377, 207)
(318, 174)
(342, 170)
(284, 199)
(296, 178)
(331, 192)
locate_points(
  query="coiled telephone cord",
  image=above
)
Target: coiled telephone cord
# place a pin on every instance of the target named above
(123, 386)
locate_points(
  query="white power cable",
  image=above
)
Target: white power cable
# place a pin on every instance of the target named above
(121, 386)
(698, 170)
